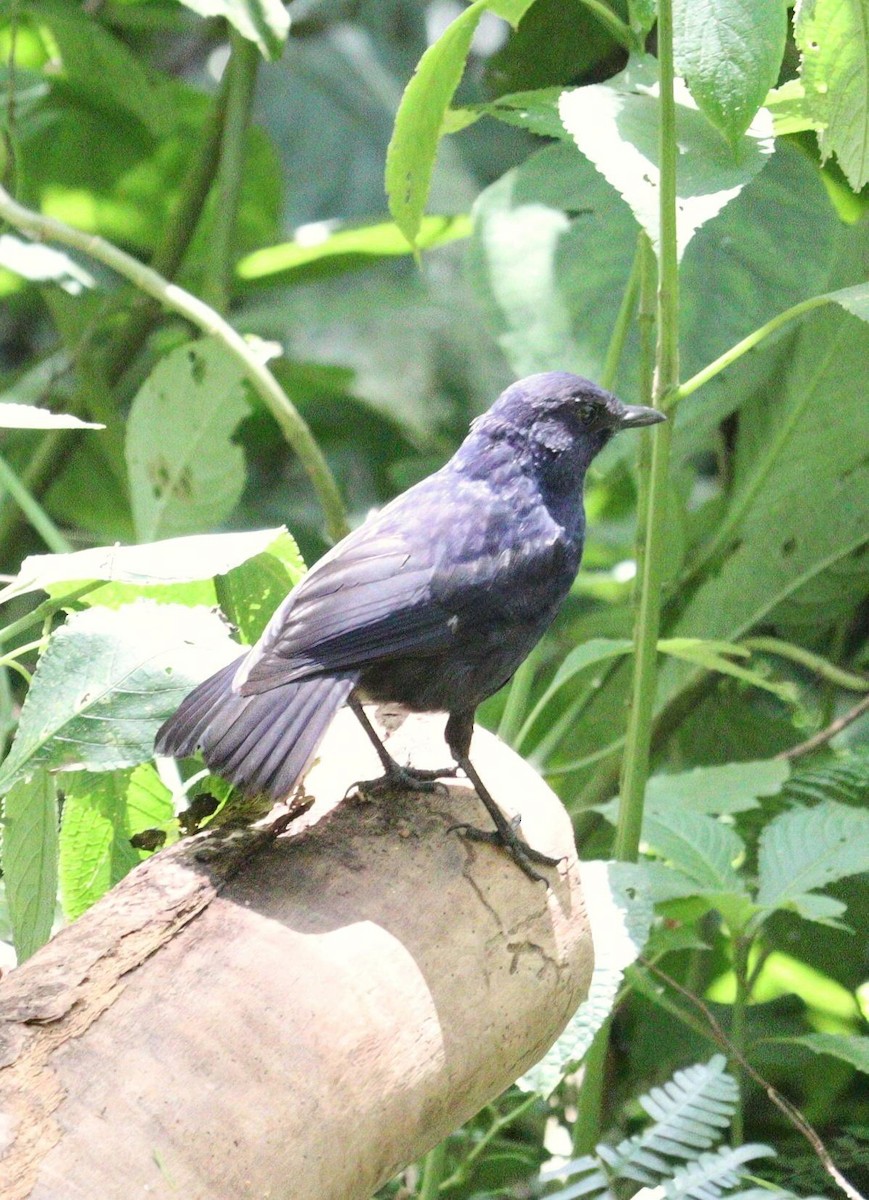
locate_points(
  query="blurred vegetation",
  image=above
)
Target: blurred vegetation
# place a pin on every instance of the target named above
(245, 162)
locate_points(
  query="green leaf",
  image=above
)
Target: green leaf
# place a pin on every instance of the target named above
(731, 788)
(185, 470)
(615, 124)
(265, 22)
(620, 913)
(251, 592)
(43, 264)
(30, 860)
(729, 52)
(419, 121)
(791, 110)
(174, 561)
(791, 534)
(99, 65)
(710, 655)
(593, 651)
(698, 846)
(850, 1049)
(809, 848)
(105, 682)
(854, 300)
(28, 416)
(833, 37)
(101, 812)
(346, 248)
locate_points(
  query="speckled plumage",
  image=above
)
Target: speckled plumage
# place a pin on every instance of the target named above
(432, 603)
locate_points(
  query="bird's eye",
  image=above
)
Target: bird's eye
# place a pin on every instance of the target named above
(586, 412)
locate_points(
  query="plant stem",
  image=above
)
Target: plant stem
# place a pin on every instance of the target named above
(624, 318)
(510, 727)
(241, 70)
(589, 1101)
(827, 735)
(434, 1164)
(651, 559)
(741, 952)
(291, 423)
(33, 510)
(46, 610)
(748, 343)
(814, 662)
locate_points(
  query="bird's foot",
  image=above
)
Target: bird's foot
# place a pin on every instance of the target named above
(508, 839)
(403, 779)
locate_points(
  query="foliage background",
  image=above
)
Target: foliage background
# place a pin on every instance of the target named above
(249, 166)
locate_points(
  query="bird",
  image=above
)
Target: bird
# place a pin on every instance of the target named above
(431, 603)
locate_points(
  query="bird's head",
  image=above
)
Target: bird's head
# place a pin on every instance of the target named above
(557, 414)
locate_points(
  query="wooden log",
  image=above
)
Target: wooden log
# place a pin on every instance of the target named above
(294, 1016)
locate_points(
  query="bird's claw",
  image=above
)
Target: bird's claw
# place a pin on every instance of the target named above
(518, 849)
(402, 779)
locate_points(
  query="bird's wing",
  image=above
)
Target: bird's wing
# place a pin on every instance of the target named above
(368, 600)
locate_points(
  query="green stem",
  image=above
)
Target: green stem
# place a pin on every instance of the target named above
(748, 343)
(742, 950)
(433, 1168)
(587, 760)
(814, 662)
(478, 1149)
(625, 316)
(45, 610)
(589, 1101)
(616, 26)
(241, 70)
(33, 510)
(510, 727)
(651, 564)
(291, 423)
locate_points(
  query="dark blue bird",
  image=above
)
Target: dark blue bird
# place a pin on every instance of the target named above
(432, 603)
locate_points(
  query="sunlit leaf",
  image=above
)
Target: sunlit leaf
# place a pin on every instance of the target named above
(28, 416)
(30, 860)
(265, 22)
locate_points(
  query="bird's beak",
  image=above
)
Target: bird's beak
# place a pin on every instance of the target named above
(635, 415)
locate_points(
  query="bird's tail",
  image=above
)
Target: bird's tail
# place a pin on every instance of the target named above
(261, 743)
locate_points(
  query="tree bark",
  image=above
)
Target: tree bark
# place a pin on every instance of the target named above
(300, 1014)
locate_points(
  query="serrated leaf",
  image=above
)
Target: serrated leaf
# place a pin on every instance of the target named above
(30, 860)
(731, 788)
(250, 593)
(264, 22)
(620, 913)
(101, 812)
(154, 564)
(833, 38)
(105, 682)
(852, 1049)
(615, 124)
(809, 848)
(729, 52)
(185, 471)
(420, 117)
(699, 846)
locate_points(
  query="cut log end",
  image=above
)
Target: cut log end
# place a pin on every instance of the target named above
(295, 1016)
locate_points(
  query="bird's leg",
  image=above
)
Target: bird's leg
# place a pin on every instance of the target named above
(460, 727)
(395, 776)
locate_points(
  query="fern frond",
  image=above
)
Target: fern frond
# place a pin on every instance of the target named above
(712, 1174)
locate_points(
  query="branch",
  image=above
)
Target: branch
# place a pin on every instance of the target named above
(826, 735)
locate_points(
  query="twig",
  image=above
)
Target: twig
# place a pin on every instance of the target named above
(826, 735)
(781, 1102)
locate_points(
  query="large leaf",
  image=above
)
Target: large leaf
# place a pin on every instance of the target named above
(186, 473)
(155, 564)
(100, 814)
(419, 121)
(620, 912)
(551, 254)
(699, 846)
(731, 788)
(615, 124)
(803, 487)
(106, 681)
(851, 1049)
(808, 848)
(251, 592)
(30, 860)
(729, 53)
(264, 22)
(833, 37)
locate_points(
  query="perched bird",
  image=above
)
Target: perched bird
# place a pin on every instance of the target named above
(432, 603)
